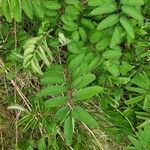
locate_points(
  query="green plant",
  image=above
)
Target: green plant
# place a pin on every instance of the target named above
(77, 58)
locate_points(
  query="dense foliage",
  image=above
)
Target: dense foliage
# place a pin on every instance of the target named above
(75, 74)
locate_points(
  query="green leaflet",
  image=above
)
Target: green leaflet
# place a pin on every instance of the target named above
(41, 144)
(68, 130)
(96, 61)
(112, 54)
(27, 7)
(53, 5)
(75, 2)
(87, 23)
(102, 44)
(134, 100)
(116, 37)
(133, 12)
(42, 55)
(142, 80)
(127, 26)
(35, 66)
(137, 90)
(16, 9)
(104, 9)
(87, 93)
(146, 105)
(76, 61)
(82, 115)
(7, 10)
(82, 33)
(113, 67)
(75, 36)
(38, 9)
(95, 2)
(52, 90)
(56, 102)
(61, 113)
(83, 81)
(53, 78)
(95, 36)
(107, 22)
(132, 2)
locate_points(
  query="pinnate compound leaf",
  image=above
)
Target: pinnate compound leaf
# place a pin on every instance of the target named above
(87, 93)
(83, 116)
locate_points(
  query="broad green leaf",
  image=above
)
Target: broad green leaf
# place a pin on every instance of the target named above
(55, 102)
(112, 54)
(133, 12)
(16, 9)
(83, 81)
(83, 116)
(52, 90)
(41, 144)
(7, 10)
(116, 37)
(134, 100)
(53, 5)
(68, 130)
(61, 113)
(132, 2)
(87, 93)
(127, 26)
(107, 22)
(87, 23)
(104, 9)
(146, 105)
(27, 7)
